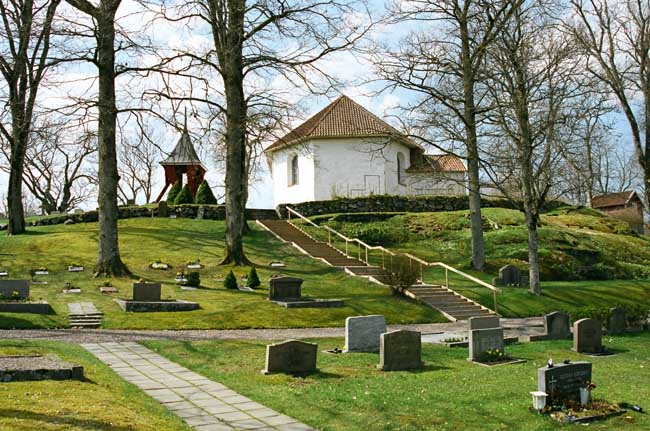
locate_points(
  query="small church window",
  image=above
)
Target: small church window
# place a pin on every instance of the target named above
(401, 169)
(294, 174)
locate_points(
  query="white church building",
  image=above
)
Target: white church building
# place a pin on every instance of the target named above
(346, 151)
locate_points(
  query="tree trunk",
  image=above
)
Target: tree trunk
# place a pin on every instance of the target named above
(109, 262)
(15, 209)
(20, 136)
(471, 141)
(235, 137)
(533, 256)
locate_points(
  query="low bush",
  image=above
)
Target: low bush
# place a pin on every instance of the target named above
(230, 282)
(193, 279)
(204, 195)
(401, 275)
(184, 196)
(591, 312)
(253, 280)
(173, 192)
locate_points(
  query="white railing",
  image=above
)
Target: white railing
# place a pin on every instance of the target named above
(364, 256)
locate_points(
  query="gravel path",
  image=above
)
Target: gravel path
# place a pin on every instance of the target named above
(512, 326)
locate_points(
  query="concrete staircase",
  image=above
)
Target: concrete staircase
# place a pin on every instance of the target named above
(84, 315)
(449, 303)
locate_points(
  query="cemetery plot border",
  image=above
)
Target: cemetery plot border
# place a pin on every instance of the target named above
(47, 367)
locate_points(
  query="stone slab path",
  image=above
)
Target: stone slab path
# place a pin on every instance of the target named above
(523, 326)
(203, 404)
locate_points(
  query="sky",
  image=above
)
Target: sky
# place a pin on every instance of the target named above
(353, 72)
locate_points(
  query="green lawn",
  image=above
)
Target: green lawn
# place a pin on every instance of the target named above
(577, 246)
(102, 402)
(349, 393)
(177, 241)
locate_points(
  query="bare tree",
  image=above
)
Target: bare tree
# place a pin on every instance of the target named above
(615, 36)
(533, 66)
(442, 63)
(56, 165)
(25, 31)
(253, 44)
(138, 156)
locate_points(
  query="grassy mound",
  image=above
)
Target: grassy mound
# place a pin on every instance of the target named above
(575, 243)
(176, 242)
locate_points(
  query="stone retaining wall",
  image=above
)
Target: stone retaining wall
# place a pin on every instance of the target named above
(211, 212)
(386, 203)
(41, 307)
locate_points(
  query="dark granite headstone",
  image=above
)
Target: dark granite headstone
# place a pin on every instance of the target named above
(617, 321)
(587, 336)
(146, 292)
(563, 381)
(510, 275)
(8, 287)
(557, 326)
(291, 357)
(284, 288)
(163, 209)
(400, 350)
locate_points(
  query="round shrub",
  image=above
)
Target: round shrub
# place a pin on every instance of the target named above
(184, 196)
(193, 279)
(204, 195)
(230, 281)
(174, 191)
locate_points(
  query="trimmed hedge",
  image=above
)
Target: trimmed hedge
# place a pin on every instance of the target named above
(184, 197)
(204, 195)
(174, 191)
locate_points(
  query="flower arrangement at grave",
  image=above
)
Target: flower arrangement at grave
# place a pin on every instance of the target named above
(253, 281)
(158, 264)
(454, 340)
(14, 297)
(180, 277)
(230, 282)
(491, 356)
(41, 270)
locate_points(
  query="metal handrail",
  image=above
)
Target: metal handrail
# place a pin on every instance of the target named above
(423, 263)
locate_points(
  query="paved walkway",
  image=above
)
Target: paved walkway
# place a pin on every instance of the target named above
(202, 403)
(512, 327)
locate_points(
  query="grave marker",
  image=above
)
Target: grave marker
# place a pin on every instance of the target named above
(291, 357)
(563, 381)
(617, 322)
(362, 333)
(400, 350)
(8, 287)
(557, 325)
(146, 292)
(587, 336)
(484, 334)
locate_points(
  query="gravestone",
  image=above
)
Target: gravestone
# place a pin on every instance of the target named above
(484, 334)
(8, 287)
(563, 381)
(557, 326)
(617, 322)
(163, 209)
(509, 275)
(282, 288)
(291, 357)
(200, 212)
(587, 336)
(400, 350)
(483, 322)
(146, 292)
(362, 333)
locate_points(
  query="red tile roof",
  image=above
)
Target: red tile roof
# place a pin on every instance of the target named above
(613, 199)
(341, 118)
(439, 163)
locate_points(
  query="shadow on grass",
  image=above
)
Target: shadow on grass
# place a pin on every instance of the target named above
(8, 321)
(89, 424)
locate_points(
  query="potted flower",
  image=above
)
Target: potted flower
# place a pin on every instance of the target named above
(585, 392)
